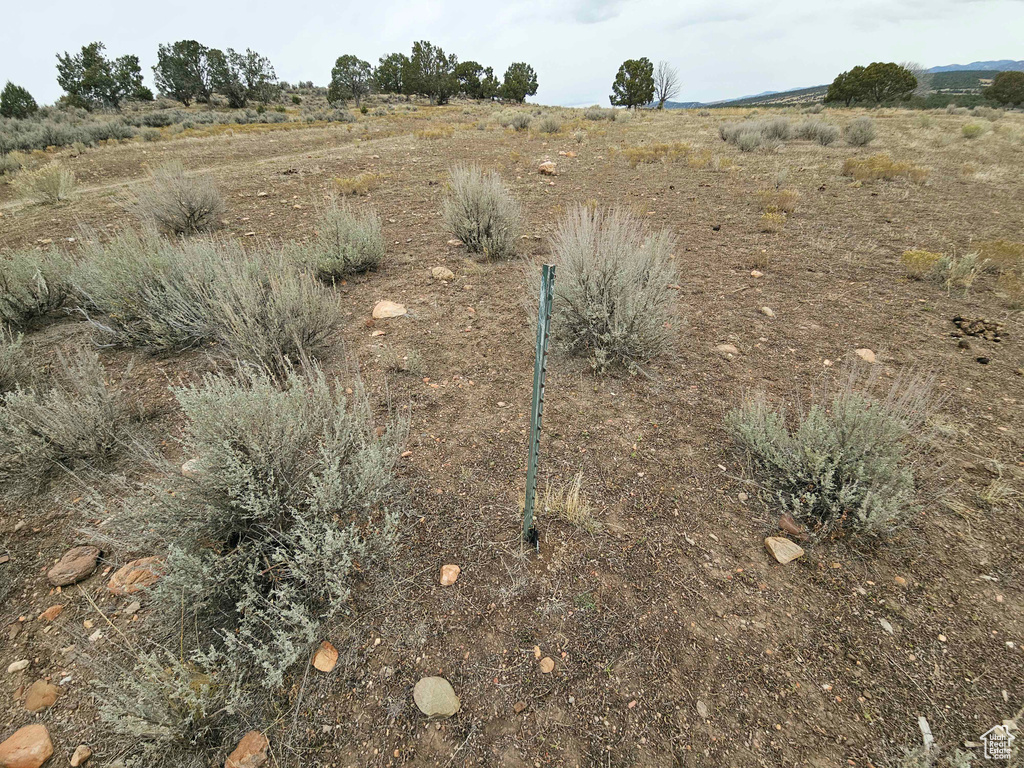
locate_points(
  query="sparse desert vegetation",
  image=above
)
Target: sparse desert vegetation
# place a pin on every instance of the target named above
(275, 368)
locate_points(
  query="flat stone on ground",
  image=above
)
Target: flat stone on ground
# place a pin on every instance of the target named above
(136, 575)
(251, 752)
(41, 695)
(783, 550)
(77, 564)
(435, 697)
(28, 747)
(385, 309)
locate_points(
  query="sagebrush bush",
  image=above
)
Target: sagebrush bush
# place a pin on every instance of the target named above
(598, 113)
(778, 128)
(860, 132)
(15, 370)
(292, 501)
(520, 121)
(549, 124)
(345, 243)
(612, 301)
(48, 185)
(262, 309)
(882, 167)
(817, 130)
(959, 271)
(169, 711)
(32, 284)
(481, 212)
(73, 423)
(177, 203)
(844, 465)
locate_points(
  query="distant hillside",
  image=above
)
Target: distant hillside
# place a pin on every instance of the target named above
(1002, 65)
(961, 80)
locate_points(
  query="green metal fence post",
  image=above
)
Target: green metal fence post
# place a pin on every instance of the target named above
(547, 288)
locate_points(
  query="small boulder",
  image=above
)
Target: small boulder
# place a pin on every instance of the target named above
(18, 666)
(41, 695)
(865, 354)
(385, 309)
(251, 752)
(767, 312)
(547, 168)
(28, 747)
(442, 273)
(82, 754)
(728, 351)
(547, 665)
(783, 550)
(136, 575)
(756, 273)
(449, 574)
(435, 697)
(326, 657)
(77, 564)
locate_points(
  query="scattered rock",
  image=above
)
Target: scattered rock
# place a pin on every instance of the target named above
(756, 273)
(442, 273)
(728, 351)
(789, 524)
(519, 706)
(984, 360)
(18, 666)
(133, 608)
(191, 468)
(865, 354)
(547, 168)
(82, 754)
(963, 344)
(28, 747)
(702, 710)
(979, 326)
(767, 312)
(886, 626)
(435, 697)
(386, 309)
(449, 574)
(547, 665)
(742, 497)
(783, 550)
(51, 613)
(251, 752)
(326, 657)
(41, 695)
(77, 564)
(136, 575)
(454, 242)
(900, 581)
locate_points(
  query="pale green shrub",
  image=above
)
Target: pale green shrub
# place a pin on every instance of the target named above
(860, 132)
(345, 243)
(597, 113)
(843, 466)
(549, 124)
(520, 121)
(14, 367)
(972, 130)
(32, 284)
(177, 203)
(612, 297)
(481, 212)
(817, 130)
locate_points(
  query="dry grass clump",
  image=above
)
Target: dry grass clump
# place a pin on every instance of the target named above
(177, 203)
(844, 467)
(569, 502)
(778, 200)
(656, 153)
(1006, 259)
(48, 185)
(437, 132)
(612, 297)
(32, 284)
(75, 422)
(860, 132)
(481, 212)
(362, 184)
(972, 130)
(919, 264)
(882, 167)
(773, 222)
(345, 243)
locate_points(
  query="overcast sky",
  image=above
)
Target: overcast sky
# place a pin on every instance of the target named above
(722, 49)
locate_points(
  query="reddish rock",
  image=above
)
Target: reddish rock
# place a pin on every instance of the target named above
(28, 747)
(51, 613)
(326, 657)
(41, 695)
(82, 754)
(251, 752)
(136, 575)
(77, 564)
(449, 574)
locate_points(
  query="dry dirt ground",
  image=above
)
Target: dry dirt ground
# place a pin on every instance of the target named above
(677, 640)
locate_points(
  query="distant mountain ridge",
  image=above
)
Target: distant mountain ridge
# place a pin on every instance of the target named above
(817, 92)
(1003, 65)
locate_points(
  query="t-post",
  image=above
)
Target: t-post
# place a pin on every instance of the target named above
(540, 366)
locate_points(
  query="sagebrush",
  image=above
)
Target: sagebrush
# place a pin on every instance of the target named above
(177, 203)
(844, 466)
(345, 242)
(481, 212)
(612, 301)
(48, 185)
(32, 284)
